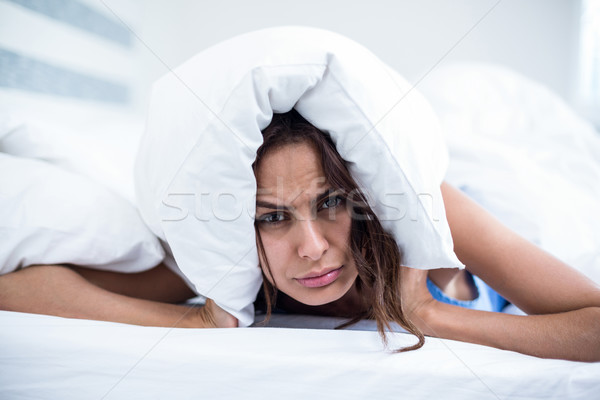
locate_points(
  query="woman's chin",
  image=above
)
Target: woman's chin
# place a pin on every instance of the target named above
(323, 296)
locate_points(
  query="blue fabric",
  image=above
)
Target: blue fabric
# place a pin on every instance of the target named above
(487, 298)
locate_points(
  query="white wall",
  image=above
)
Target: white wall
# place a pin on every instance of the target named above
(536, 37)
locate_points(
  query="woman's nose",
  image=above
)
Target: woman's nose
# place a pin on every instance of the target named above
(313, 243)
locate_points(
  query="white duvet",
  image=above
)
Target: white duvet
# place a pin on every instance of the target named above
(523, 154)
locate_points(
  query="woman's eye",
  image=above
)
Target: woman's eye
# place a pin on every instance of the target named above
(332, 202)
(273, 218)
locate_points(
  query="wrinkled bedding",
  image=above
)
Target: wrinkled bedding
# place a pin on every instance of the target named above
(57, 358)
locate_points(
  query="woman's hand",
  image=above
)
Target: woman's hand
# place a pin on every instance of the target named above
(417, 302)
(564, 306)
(213, 316)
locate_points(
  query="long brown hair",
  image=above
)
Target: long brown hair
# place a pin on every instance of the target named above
(375, 252)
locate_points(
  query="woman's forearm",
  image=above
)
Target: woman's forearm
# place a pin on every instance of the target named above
(60, 291)
(572, 335)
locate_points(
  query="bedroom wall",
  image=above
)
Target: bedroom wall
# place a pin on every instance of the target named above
(65, 59)
(536, 37)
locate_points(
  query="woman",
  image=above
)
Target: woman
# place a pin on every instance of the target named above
(324, 251)
(320, 246)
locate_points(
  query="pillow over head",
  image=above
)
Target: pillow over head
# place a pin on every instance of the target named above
(194, 181)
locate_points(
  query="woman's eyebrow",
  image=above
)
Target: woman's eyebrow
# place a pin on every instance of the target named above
(324, 195)
(265, 204)
(320, 197)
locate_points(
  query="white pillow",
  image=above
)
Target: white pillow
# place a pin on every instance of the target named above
(194, 181)
(52, 216)
(99, 147)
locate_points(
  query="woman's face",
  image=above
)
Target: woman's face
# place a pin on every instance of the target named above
(304, 226)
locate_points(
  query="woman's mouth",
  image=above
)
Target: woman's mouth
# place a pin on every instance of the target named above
(320, 280)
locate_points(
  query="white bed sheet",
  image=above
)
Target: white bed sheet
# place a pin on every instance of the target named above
(46, 357)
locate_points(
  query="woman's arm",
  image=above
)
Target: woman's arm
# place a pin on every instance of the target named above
(63, 291)
(524, 274)
(566, 303)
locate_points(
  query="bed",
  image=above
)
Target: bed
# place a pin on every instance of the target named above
(94, 133)
(50, 357)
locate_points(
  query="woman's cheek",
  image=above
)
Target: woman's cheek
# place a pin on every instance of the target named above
(275, 258)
